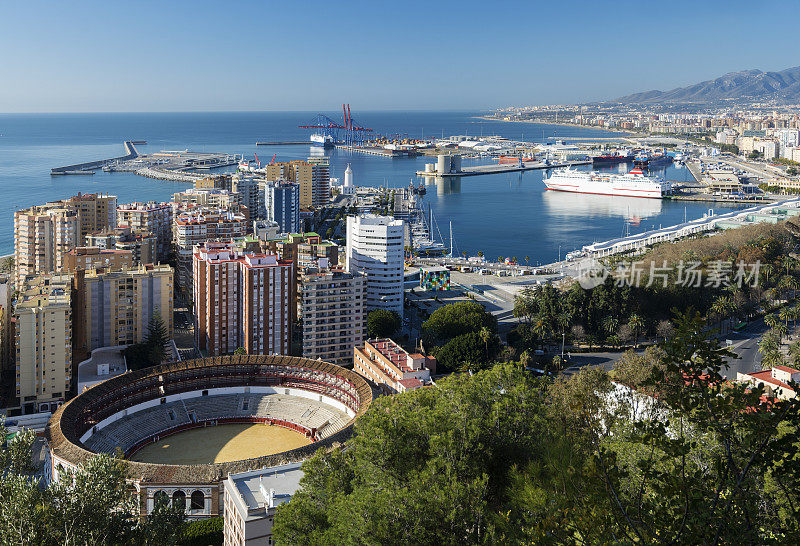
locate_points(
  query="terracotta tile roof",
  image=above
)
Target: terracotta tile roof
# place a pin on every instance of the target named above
(766, 377)
(412, 383)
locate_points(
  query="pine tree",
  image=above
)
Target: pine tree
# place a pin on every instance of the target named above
(157, 339)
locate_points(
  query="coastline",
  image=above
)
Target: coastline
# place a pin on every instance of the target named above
(564, 124)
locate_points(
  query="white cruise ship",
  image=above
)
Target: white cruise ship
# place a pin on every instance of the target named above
(632, 184)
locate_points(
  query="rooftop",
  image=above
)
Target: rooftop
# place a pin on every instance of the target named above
(266, 488)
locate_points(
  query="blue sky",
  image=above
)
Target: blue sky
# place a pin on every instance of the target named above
(203, 55)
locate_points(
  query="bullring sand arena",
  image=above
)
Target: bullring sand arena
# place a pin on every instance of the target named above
(221, 444)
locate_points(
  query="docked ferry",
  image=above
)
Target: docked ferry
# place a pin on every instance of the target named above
(632, 184)
(326, 141)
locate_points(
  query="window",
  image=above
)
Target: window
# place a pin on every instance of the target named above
(160, 498)
(179, 499)
(198, 501)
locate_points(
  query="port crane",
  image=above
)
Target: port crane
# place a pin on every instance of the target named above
(354, 134)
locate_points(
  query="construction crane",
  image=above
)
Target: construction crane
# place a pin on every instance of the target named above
(273, 159)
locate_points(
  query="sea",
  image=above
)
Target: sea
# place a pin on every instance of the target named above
(501, 215)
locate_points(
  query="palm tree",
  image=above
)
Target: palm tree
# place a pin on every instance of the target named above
(486, 335)
(720, 307)
(527, 260)
(794, 353)
(769, 348)
(480, 254)
(788, 283)
(767, 270)
(541, 328)
(785, 314)
(524, 359)
(609, 324)
(500, 259)
(514, 259)
(637, 323)
(771, 320)
(464, 253)
(787, 262)
(781, 330)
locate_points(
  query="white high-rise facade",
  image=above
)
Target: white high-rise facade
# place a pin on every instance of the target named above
(788, 140)
(375, 248)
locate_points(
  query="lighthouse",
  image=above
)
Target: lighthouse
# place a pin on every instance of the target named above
(348, 188)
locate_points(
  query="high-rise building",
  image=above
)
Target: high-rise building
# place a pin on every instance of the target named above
(96, 212)
(6, 329)
(207, 197)
(303, 249)
(375, 248)
(43, 317)
(91, 257)
(788, 139)
(242, 299)
(251, 194)
(312, 177)
(332, 312)
(153, 217)
(197, 227)
(141, 244)
(320, 182)
(114, 307)
(42, 234)
(282, 204)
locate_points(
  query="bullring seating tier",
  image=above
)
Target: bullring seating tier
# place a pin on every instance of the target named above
(128, 431)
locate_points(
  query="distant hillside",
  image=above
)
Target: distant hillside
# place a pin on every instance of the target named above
(783, 86)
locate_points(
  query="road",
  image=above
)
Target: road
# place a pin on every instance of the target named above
(744, 345)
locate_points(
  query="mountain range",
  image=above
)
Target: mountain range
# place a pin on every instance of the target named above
(747, 85)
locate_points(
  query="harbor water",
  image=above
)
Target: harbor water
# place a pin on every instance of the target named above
(501, 215)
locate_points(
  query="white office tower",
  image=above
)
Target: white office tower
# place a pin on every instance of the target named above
(282, 203)
(375, 248)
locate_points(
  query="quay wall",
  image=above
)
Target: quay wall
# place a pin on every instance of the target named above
(130, 153)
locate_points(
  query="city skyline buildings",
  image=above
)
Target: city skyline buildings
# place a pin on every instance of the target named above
(62, 50)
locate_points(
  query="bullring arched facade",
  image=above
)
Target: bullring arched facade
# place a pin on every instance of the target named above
(123, 399)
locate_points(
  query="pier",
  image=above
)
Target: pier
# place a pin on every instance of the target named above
(284, 143)
(504, 168)
(378, 151)
(90, 166)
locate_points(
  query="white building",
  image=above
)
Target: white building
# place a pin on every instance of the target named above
(788, 139)
(375, 248)
(348, 188)
(282, 204)
(726, 136)
(251, 499)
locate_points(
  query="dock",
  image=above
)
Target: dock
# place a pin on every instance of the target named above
(90, 166)
(505, 168)
(284, 143)
(379, 151)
